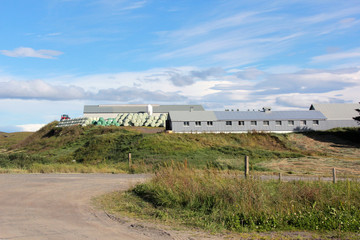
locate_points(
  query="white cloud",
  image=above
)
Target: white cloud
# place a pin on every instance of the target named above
(212, 87)
(303, 100)
(29, 52)
(210, 26)
(249, 37)
(38, 89)
(30, 127)
(328, 16)
(119, 5)
(354, 53)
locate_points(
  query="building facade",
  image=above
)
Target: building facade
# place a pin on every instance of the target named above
(241, 122)
(194, 119)
(338, 114)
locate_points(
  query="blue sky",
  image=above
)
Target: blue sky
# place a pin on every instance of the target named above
(58, 55)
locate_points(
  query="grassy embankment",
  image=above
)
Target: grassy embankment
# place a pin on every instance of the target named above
(105, 149)
(217, 201)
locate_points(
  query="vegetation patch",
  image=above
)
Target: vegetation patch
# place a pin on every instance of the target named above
(217, 201)
(99, 147)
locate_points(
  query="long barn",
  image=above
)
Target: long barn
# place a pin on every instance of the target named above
(194, 119)
(318, 117)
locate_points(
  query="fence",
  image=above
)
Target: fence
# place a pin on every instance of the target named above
(281, 177)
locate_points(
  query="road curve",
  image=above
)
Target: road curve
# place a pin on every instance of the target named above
(57, 206)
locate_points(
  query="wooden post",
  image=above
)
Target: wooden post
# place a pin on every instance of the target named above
(280, 177)
(129, 159)
(246, 169)
(334, 175)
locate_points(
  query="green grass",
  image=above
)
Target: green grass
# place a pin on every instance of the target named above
(109, 146)
(96, 145)
(9, 139)
(198, 150)
(216, 201)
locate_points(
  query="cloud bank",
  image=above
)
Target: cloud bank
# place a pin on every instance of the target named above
(212, 87)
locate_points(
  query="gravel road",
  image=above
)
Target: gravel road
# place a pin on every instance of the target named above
(58, 206)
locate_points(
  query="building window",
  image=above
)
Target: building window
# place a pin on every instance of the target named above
(266, 123)
(253, 123)
(186, 124)
(278, 123)
(228, 123)
(315, 122)
(302, 122)
(197, 124)
(291, 123)
(209, 123)
(242, 123)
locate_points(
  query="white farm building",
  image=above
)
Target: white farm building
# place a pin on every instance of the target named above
(194, 119)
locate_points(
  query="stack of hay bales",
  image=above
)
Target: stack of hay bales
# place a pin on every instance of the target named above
(131, 119)
(75, 121)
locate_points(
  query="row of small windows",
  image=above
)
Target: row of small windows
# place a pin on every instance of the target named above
(254, 123)
(198, 123)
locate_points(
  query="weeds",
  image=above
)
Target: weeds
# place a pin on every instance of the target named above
(216, 200)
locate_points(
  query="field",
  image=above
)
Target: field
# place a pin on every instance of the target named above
(105, 149)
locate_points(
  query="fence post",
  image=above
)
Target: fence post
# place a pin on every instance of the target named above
(334, 175)
(246, 169)
(280, 177)
(129, 158)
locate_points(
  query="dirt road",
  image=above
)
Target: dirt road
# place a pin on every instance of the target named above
(58, 206)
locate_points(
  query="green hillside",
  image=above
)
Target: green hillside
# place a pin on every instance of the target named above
(108, 147)
(9, 139)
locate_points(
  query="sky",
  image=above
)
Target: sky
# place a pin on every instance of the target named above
(58, 55)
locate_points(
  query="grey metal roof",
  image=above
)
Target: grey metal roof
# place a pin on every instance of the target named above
(139, 108)
(337, 111)
(114, 109)
(272, 115)
(168, 108)
(179, 116)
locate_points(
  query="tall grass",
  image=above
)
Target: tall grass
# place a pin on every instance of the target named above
(212, 199)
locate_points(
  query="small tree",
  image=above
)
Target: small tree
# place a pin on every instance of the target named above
(358, 117)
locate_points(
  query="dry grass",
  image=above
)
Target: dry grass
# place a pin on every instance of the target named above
(326, 153)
